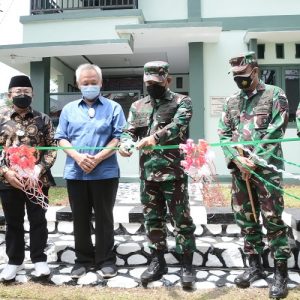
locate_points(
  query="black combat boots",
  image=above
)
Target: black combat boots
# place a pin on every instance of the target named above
(187, 271)
(278, 289)
(156, 269)
(254, 272)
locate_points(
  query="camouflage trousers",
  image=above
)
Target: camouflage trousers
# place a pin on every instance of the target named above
(269, 203)
(156, 197)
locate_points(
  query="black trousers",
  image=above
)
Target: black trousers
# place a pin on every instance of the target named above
(14, 202)
(100, 196)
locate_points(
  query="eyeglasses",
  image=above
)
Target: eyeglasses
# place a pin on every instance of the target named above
(21, 92)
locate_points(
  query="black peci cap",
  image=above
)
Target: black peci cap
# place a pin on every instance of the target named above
(19, 81)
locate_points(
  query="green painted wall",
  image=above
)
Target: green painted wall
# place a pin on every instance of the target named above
(40, 77)
(196, 89)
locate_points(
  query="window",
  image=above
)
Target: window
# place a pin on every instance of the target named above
(297, 54)
(261, 51)
(279, 50)
(288, 78)
(179, 83)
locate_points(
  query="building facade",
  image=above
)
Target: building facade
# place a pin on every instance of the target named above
(197, 38)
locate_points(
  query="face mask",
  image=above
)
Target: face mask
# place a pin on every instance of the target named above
(22, 101)
(90, 92)
(243, 81)
(156, 91)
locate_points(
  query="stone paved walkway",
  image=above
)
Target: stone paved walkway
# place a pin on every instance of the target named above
(217, 262)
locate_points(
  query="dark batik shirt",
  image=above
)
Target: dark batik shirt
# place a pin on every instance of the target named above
(33, 129)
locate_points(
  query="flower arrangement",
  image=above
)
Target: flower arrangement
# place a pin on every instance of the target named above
(22, 160)
(198, 164)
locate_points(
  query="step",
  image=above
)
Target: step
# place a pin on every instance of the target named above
(212, 252)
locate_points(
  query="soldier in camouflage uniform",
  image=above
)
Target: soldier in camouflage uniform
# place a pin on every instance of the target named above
(298, 120)
(162, 118)
(257, 112)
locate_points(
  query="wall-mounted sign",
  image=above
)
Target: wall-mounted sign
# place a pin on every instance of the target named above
(216, 105)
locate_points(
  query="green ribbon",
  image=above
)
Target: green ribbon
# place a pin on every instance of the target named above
(170, 147)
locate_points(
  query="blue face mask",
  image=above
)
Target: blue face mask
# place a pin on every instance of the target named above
(90, 92)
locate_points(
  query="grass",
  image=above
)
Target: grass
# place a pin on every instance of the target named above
(59, 195)
(34, 291)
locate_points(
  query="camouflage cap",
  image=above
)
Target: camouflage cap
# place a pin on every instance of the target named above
(241, 62)
(156, 71)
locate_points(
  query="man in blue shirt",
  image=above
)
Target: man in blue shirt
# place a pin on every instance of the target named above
(92, 175)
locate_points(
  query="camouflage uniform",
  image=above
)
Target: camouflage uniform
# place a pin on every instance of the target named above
(260, 116)
(163, 181)
(298, 120)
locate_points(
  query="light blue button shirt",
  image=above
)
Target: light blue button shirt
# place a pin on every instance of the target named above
(76, 126)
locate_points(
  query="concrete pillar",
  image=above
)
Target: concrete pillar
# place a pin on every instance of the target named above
(196, 79)
(40, 78)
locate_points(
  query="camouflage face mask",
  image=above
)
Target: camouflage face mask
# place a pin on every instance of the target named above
(243, 81)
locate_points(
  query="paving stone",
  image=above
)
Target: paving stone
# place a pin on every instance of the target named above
(138, 238)
(205, 285)
(65, 227)
(170, 259)
(122, 282)
(21, 279)
(146, 248)
(208, 240)
(89, 278)
(62, 245)
(231, 278)
(119, 239)
(197, 259)
(137, 272)
(68, 256)
(236, 272)
(233, 257)
(61, 279)
(217, 272)
(228, 284)
(66, 270)
(67, 237)
(173, 270)
(260, 283)
(155, 284)
(132, 228)
(136, 259)
(214, 228)
(3, 257)
(213, 261)
(202, 274)
(51, 226)
(123, 271)
(199, 230)
(227, 239)
(294, 276)
(127, 248)
(172, 278)
(213, 278)
(120, 261)
(233, 229)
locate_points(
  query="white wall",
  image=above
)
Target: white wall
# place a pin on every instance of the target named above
(217, 82)
(157, 10)
(289, 54)
(75, 29)
(238, 8)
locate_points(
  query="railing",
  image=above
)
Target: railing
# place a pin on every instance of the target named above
(58, 6)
